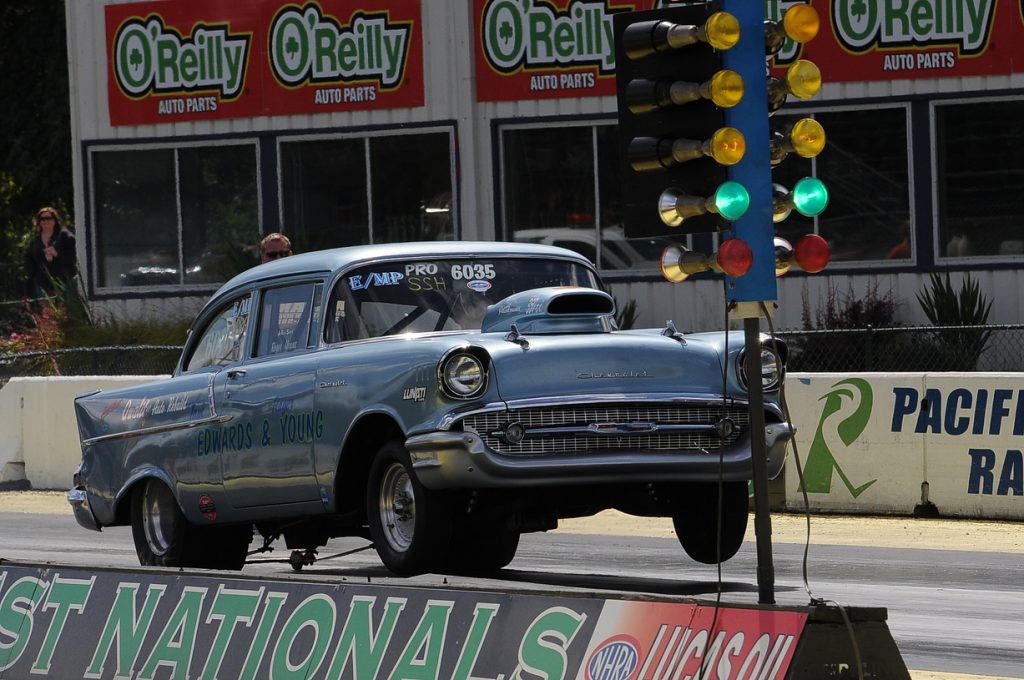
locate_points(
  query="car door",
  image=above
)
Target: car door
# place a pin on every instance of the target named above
(270, 396)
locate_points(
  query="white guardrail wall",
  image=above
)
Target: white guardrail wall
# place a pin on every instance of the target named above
(880, 443)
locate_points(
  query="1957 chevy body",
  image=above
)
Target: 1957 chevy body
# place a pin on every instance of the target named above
(437, 398)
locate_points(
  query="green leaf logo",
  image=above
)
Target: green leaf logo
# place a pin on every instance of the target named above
(821, 463)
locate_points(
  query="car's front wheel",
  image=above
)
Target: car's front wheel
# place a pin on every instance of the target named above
(165, 538)
(409, 524)
(696, 522)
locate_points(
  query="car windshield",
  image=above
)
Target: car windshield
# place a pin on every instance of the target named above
(437, 295)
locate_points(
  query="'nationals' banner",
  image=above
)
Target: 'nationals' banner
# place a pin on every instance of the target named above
(178, 60)
(76, 623)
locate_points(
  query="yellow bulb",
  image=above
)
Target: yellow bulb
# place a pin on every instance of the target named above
(807, 137)
(803, 79)
(726, 88)
(801, 23)
(722, 30)
(728, 146)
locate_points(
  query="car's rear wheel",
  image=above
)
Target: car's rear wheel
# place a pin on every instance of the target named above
(409, 524)
(165, 538)
(696, 522)
(159, 528)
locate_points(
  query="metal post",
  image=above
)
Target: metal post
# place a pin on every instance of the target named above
(759, 453)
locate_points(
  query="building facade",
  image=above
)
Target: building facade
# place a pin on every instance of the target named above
(200, 126)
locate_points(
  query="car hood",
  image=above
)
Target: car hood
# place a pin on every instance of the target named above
(540, 366)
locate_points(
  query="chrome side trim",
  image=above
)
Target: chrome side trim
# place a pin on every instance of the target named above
(170, 427)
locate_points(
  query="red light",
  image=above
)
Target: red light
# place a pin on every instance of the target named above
(812, 253)
(735, 257)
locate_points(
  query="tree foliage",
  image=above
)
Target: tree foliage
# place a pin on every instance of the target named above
(35, 142)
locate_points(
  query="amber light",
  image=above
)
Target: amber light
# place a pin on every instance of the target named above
(735, 257)
(812, 253)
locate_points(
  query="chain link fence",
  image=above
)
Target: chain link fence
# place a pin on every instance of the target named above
(124, 360)
(914, 349)
(924, 348)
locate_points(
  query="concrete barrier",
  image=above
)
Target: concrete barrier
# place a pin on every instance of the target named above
(886, 443)
(902, 443)
(39, 441)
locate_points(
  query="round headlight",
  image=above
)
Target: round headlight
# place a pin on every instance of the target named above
(771, 369)
(463, 376)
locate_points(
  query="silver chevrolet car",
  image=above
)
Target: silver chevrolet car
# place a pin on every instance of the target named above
(439, 399)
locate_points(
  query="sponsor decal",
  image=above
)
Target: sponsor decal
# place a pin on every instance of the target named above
(479, 286)
(289, 427)
(308, 46)
(822, 464)
(614, 659)
(207, 507)
(178, 60)
(889, 39)
(540, 49)
(374, 280)
(975, 413)
(414, 393)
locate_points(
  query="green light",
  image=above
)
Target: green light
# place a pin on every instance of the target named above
(810, 197)
(731, 200)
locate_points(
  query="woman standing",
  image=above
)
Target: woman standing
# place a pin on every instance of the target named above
(50, 255)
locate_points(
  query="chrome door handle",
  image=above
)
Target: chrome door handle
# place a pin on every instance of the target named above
(235, 373)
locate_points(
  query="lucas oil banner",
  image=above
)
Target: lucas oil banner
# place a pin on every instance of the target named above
(67, 623)
(178, 60)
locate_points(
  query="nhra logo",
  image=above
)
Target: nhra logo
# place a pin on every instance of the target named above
(307, 45)
(518, 34)
(861, 25)
(615, 659)
(149, 57)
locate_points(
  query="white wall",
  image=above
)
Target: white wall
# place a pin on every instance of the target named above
(865, 434)
(40, 435)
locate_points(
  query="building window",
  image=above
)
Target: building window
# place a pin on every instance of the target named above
(865, 166)
(350, 191)
(979, 174)
(173, 216)
(561, 187)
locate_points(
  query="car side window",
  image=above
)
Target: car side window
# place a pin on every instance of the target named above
(285, 314)
(223, 339)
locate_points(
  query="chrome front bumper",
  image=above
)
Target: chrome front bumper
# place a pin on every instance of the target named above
(80, 506)
(458, 460)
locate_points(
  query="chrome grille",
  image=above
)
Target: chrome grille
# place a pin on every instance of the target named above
(489, 425)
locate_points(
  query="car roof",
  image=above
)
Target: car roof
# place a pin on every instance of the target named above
(341, 258)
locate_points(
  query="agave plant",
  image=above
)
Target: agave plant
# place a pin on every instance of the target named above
(955, 311)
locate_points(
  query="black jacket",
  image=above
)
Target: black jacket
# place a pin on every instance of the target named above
(62, 268)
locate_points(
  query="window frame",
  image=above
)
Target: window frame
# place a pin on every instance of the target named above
(504, 230)
(936, 236)
(813, 112)
(202, 325)
(92, 247)
(365, 135)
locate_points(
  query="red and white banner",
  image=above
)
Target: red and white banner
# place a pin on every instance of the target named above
(662, 641)
(896, 39)
(182, 60)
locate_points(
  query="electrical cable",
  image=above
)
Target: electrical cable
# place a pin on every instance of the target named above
(721, 484)
(807, 503)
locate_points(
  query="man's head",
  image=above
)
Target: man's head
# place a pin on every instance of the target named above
(273, 246)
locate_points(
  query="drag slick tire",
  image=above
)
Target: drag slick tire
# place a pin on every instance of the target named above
(409, 524)
(165, 538)
(482, 550)
(696, 523)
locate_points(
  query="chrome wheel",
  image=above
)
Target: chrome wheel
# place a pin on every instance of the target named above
(397, 507)
(159, 518)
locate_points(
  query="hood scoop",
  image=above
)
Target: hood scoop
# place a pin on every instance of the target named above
(564, 309)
